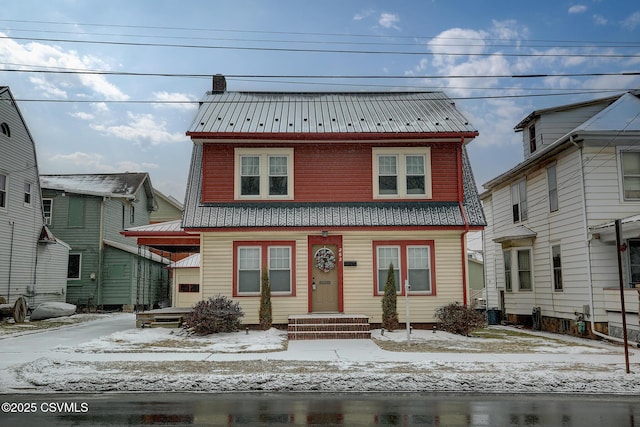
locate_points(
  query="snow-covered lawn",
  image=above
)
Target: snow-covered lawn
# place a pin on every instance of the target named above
(499, 359)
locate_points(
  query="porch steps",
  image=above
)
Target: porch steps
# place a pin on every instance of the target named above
(167, 321)
(328, 327)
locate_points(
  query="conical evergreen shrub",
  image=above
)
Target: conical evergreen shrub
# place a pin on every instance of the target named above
(389, 302)
(266, 318)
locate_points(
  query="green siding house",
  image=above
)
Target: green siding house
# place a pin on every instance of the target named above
(88, 212)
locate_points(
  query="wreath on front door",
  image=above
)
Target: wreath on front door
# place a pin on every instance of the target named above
(325, 259)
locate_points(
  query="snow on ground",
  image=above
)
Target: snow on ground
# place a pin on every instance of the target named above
(501, 360)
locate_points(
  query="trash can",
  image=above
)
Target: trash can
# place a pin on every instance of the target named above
(493, 316)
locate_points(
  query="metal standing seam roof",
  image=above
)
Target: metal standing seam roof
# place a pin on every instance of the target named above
(321, 113)
(327, 214)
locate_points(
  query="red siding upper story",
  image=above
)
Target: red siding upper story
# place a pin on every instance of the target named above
(330, 171)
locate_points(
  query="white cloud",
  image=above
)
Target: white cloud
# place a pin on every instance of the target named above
(578, 8)
(363, 15)
(389, 20)
(175, 100)
(80, 162)
(82, 115)
(142, 128)
(632, 21)
(599, 19)
(38, 56)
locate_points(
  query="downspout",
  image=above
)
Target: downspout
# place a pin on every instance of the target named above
(588, 247)
(463, 236)
(13, 227)
(100, 256)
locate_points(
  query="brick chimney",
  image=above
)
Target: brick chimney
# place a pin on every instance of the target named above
(219, 84)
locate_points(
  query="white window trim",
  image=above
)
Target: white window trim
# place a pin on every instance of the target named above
(47, 219)
(429, 267)
(397, 268)
(555, 166)
(259, 269)
(553, 268)
(401, 154)
(526, 193)
(289, 249)
(79, 268)
(515, 271)
(30, 193)
(619, 151)
(6, 192)
(263, 154)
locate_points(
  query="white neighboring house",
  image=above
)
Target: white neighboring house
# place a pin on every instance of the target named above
(33, 263)
(550, 251)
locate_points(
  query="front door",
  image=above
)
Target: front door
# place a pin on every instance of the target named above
(325, 261)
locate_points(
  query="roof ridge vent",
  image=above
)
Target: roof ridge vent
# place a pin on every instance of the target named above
(219, 84)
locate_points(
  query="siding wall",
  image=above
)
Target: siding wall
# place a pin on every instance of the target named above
(217, 275)
(348, 165)
(553, 125)
(20, 223)
(564, 227)
(185, 275)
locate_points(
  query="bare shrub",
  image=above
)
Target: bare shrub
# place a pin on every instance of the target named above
(459, 319)
(217, 314)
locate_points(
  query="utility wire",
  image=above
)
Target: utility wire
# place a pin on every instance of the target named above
(338, 51)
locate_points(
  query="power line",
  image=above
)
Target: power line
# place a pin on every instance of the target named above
(319, 76)
(301, 33)
(335, 51)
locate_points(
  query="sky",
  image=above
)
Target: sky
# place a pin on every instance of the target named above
(108, 87)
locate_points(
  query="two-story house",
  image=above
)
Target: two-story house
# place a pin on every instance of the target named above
(88, 211)
(550, 251)
(33, 263)
(325, 191)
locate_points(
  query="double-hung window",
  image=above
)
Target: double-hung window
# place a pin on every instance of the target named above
(3, 191)
(630, 162)
(518, 269)
(552, 184)
(47, 206)
(250, 260)
(264, 173)
(411, 260)
(519, 200)
(74, 267)
(508, 286)
(27, 194)
(401, 172)
(524, 269)
(557, 267)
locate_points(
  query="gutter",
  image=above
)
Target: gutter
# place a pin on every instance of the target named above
(588, 247)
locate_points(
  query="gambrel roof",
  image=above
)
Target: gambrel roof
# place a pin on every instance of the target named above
(342, 116)
(328, 214)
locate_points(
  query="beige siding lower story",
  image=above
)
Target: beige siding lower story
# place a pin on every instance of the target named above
(188, 276)
(216, 273)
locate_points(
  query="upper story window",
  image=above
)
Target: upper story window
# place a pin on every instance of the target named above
(4, 128)
(3, 191)
(264, 173)
(519, 200)
(532, 139)
(27, 193)
(401, 172)
(552, 185)
(630, 161)
(47, 210)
